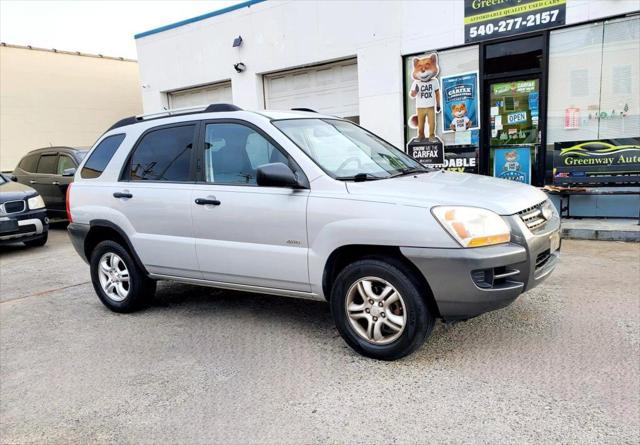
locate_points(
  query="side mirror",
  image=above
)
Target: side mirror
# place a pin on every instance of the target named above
(69, 171)
(277, 175)
(11, 177)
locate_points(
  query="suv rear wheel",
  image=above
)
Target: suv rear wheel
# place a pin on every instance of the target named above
(380, 309)
(117, 279)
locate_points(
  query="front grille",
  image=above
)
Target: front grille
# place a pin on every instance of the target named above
(13, 206)
(533, 217)
(543, 258)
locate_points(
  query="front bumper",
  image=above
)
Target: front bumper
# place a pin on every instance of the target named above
(468, 282)
(25, 226)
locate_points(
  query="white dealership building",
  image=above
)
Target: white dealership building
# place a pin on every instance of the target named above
(572, 65)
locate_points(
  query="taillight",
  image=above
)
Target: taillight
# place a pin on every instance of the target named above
(69, 203)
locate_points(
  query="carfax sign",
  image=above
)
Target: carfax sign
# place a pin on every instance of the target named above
(429, 153)
(460, 102)
(513, 164)
(492, 19)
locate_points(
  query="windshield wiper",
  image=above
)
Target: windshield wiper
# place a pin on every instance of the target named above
(360, 177)
(411, 171)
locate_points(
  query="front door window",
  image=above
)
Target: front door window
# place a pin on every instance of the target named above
(233, 153)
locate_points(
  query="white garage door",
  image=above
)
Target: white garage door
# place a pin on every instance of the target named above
(330, 89)
(206, 95)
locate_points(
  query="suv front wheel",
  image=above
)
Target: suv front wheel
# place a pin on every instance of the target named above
(379, 308)
(117, 279)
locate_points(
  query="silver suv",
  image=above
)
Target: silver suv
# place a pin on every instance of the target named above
(304, 205)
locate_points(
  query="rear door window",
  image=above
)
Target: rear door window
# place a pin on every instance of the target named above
(163, 155)
(101, 156)
(48, 164)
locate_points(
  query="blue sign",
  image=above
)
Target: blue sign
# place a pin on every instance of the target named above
(513, 163)
(533, 103)
(460, 102)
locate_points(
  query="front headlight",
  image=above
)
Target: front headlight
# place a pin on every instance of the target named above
(473, 226)
(548, 210)
(35, 202)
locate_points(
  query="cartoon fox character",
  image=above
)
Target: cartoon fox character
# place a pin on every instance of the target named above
(460, 121)
(425, 89)
(511, 162)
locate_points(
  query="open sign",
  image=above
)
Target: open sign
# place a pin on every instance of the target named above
(516, 118)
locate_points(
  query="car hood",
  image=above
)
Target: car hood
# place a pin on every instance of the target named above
(449, 188)
(12, 191)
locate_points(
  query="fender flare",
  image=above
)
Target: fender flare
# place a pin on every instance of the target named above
(129, 246)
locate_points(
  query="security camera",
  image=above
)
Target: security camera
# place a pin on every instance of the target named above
(239, 67)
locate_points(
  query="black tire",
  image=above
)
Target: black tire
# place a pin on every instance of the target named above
(140, 288)
(38, 242)
(419, 320)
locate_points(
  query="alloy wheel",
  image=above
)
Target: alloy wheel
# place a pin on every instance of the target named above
(376, 310)
(114, 276)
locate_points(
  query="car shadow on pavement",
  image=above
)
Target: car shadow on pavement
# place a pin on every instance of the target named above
(508, 327)
(211, 301)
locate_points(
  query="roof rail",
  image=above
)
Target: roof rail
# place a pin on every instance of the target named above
(304, 109)
(212, 108)
(124, 122)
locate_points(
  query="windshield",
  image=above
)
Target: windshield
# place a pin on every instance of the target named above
(3, 179)
(346, 151)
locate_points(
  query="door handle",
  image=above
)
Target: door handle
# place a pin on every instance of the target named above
(31, 181)
(55, 183)
(122, 195)
(202, 202)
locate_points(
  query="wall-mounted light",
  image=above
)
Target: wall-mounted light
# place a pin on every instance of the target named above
(239, 67)
(237, 41)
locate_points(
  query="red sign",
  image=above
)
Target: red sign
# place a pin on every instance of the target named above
(571, 118)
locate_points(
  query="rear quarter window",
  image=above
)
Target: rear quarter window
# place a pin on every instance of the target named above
(100, 157)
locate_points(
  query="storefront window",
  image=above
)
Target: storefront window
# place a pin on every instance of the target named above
(461, 144)
(594, 89)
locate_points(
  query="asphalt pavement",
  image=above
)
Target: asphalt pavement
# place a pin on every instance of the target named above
(202, 365)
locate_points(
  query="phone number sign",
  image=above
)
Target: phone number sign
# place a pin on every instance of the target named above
(492, 19)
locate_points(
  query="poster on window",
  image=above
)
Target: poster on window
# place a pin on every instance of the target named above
(513, 164)
(460, 110)
(597, 162)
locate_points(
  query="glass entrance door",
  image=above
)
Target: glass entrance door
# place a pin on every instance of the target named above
(514, 140)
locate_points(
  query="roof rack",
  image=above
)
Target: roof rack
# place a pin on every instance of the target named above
(304, 109)
(212, 108)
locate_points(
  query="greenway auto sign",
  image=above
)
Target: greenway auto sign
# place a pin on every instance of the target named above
(575, 161)
(491, 19)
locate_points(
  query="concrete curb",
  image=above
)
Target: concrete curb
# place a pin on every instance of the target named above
(601, 234)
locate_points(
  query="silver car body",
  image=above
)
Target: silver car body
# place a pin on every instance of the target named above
(278, 240)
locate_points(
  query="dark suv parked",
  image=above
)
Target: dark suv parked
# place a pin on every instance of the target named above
(23, 217)
(50, 171)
